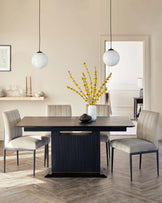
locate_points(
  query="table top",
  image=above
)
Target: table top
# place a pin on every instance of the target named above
(54, 122)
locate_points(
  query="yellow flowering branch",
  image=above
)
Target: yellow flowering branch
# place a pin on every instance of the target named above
(86, 87)
(76, 84)
(95, 87)
(91, 94)
(104, 83)
(85, 65)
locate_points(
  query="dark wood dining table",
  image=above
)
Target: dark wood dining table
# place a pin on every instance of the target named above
(75, 153)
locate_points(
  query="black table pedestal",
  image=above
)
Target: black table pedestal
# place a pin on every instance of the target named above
(75, 154)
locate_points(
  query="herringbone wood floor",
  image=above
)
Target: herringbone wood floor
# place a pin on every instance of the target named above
(18, 184)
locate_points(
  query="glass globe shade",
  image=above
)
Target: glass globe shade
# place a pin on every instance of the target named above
(111, 57)
(39, 60)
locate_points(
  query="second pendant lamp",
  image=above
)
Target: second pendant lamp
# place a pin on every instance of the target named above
(111, 57)
(39, 59)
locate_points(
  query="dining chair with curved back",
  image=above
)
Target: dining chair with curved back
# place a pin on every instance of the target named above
(14, 139)
(59, 110)
(104, 111)
(146, 141)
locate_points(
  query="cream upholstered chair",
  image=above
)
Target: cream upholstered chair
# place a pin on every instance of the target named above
(14, 140)
(104, 111)
(146, 141)
(63, 110)
(59, 110)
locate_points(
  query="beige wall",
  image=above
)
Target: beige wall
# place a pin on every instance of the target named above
(71, 31)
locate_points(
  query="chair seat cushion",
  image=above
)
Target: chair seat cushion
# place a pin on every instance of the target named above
(46, 139)
(133, 145)
(104, 136)
(41, 136)
(27, 142)
(38, 135)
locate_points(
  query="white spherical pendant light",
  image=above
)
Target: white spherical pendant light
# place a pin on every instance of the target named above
(39, 60)
(111, 57)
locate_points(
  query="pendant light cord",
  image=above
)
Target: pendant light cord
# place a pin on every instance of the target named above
(39, 25)
(110, 26)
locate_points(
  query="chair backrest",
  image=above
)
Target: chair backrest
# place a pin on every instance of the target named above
(59, 110)
(102, 110)
(147, 126)
(11, 118)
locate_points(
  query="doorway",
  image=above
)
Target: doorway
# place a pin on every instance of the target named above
(134, 64)
(126, 84)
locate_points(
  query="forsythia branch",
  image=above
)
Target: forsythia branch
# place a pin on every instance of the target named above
(91, 94)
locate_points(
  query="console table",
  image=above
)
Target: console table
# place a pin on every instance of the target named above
(137, 100)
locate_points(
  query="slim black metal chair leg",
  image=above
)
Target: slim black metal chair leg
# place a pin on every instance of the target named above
(112, 158)
(45, 152)
(140, 161)
(107, 152)
(17, 157)
(47, 156)
(34, 153)
(4, 156)
(130, 166)
(157, 159)
(109, 149)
